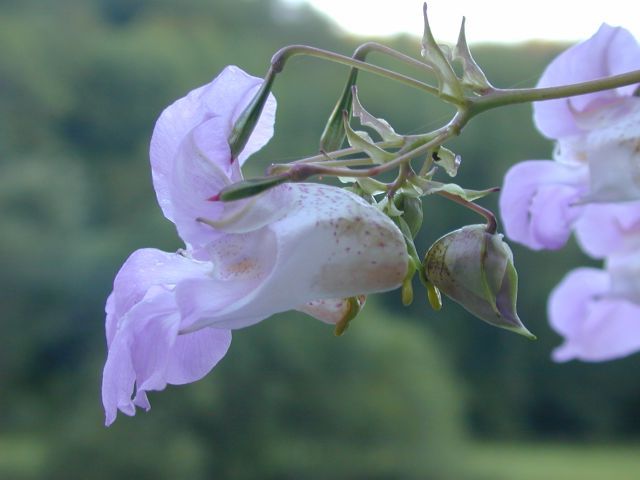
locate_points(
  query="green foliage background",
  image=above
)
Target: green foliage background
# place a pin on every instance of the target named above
(400, 396)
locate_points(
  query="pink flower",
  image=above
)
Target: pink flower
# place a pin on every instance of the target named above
(597, 157)
(591, 188)
(297, 246)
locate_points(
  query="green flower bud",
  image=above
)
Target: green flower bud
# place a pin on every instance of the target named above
(475, 268)
(411, 211)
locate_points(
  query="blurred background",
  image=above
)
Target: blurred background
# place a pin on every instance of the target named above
(407, 393)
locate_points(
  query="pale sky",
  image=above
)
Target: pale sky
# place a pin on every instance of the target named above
(487, 20)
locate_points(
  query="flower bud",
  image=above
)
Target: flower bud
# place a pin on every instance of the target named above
(475, 268)
(411, 212)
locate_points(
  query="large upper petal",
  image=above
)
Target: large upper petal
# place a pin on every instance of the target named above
(611, 51)
(330, 244)
(595, 326)
(537, 202)
(214, 107)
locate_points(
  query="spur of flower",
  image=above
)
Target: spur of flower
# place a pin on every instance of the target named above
(310, 247)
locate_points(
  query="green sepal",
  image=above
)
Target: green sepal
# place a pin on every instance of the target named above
(362, 141)
(472, 75)
(248, 119)
(430, 187)
(448, 82)
(334, 134)
(445, 158)
(380, 125)
(250, 187)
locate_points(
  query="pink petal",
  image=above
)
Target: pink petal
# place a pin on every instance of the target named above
(194, 354)
(536, 202)
(331, 244)
(223, 99)
(609, 52)
(144, 269)
(143, 324)
(146, 353)
(606, 228)
(595, 327)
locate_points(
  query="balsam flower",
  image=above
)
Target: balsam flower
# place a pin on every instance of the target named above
(597, 158)
(299, 246)
(592, 188)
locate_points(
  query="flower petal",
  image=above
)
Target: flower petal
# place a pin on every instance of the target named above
(603, 229)
(331, 244)
(612, 50)
(624, 268)
(613, 153)
(223, 99)
(194, 354)
(536, 202)
(144, 269)
(146, 353)
(595, 327)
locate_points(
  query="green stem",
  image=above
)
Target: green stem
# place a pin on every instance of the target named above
(492, 224)
(323, 157)
(333, 134)
(363, 50)
(305, 170)
(500, 97)
(282, 55)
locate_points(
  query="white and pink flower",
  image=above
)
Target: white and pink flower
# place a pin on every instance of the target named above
(302, 246)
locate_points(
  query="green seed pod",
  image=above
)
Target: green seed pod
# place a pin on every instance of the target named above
(475, 269)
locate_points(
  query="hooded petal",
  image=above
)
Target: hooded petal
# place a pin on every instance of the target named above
(595, 327)
(611, 51)
(214, 107)
(330, 244)
(536, 202)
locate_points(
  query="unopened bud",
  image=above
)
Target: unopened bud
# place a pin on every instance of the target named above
(475, 269)
(411, 212)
